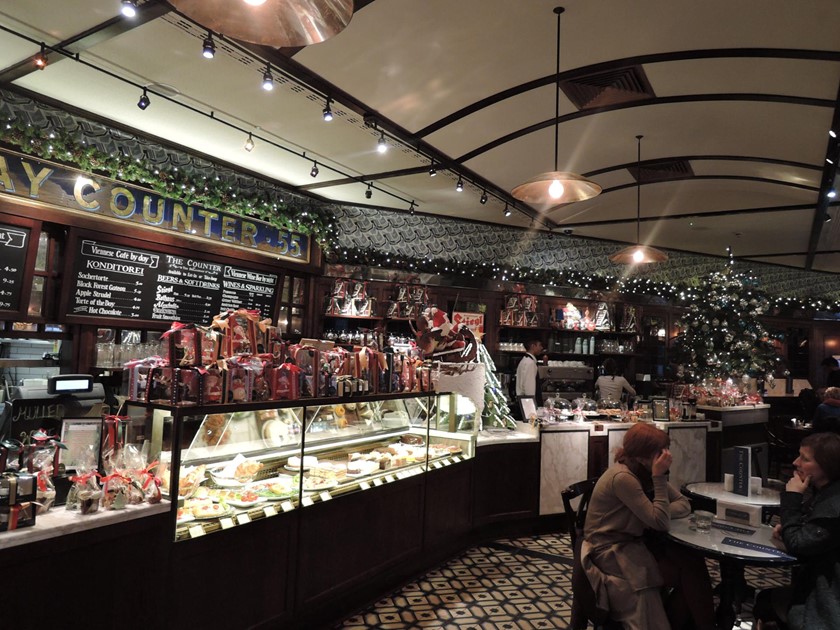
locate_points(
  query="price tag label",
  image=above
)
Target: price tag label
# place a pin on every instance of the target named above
(456, 459)
(287, 506)
(401, 474)
(226, 522)
(446, 462)
(306, 501)
(377, 482)
(325, 496)
(437, 465)
(390, 478)
(364, 485)
(269, 510)
(243, 518)
(196, 531)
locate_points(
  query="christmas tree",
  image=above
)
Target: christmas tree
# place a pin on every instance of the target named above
(496, 412)
(721, 335)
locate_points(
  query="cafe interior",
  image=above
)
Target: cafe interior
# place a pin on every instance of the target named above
(653, 183)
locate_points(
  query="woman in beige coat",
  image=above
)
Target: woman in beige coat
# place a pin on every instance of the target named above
(628, 569)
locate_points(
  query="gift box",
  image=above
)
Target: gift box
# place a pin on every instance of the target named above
(418, 294)
(188, 387)
(345, 307)
(529, 302)
(211, 344)
(284, 382)
(363, 307)
(340, 288)
(17, 488)
(238, 384)
(409, 310)
(532, 319)
(392, 310)
(14, 517)
(506, 317)
(212, 381)
(512, 302)
(138, 380)
(308, 360)
(10, 451)
(183, 344)
(358, 290)
(161, 386)
(520, 318)
(241, 335)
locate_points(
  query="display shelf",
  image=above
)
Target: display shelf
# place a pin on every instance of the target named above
(290, 455)
(368, 317)
(502, 327)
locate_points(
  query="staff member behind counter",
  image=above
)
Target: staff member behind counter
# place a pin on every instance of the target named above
(609, 386)
(526, 372)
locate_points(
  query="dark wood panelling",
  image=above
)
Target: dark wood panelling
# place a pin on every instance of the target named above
(448, 514)
(507, 482)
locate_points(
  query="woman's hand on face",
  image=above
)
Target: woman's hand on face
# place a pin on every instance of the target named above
(661, 463)
(798, 483)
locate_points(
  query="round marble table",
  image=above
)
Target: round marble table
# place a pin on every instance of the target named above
(716, 491)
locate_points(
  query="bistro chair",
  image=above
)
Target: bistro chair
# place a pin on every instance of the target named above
(584, 608)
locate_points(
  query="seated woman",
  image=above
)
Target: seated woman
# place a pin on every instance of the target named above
(827, 414)
(627, 570)
(810, 530)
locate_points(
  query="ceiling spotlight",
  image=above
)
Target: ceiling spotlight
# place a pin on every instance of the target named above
(328, 115)
(829, 160)
(314, 171)
(368, 192)
(507, 210)
(268, 80)
(831, 194)
(832, 133)
(209, 48)
(381, 144)
(144, 101)
(411, 209)
(41, 58)
(483, 199)
(254, 3)
(460, 185)
(249, 143)
(432, 171)
(129, 8)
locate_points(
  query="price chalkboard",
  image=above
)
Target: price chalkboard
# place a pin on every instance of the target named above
(14, 242)
(126, 283)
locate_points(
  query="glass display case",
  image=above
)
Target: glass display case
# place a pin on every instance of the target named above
(232, 464)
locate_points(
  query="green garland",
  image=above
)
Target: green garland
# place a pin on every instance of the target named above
(62, 146)
(679, 294)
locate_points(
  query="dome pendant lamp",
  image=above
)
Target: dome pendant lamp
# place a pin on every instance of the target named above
(275, 23)
(638, 254)
(555, 188)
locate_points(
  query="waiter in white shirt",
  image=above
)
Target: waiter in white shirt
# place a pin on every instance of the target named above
(527, 379)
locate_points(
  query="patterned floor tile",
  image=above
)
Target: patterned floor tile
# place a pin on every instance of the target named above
(510, 584)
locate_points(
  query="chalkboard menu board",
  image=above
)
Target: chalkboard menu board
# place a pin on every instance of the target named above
(14, 242)
(115, 281)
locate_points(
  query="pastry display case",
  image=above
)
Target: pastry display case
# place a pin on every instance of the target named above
(227, 465)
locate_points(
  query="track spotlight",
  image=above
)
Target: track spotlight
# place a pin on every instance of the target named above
(483, 199)
(268, 80)
(381, 144)
(144, 101)
(829, 160)
(328, 115)
(209, 48)
(411, 209)
(368, 192)
(507, 210)
(249, 143)
(314, 171)
(255, 3)
(832, 133)
(460, 185)
(831, 194)
(432, 171)
(129, 8)
(41, 58)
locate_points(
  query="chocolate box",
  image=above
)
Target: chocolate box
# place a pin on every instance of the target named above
(184, 346)
(161, 386)
(212, 385)
(17, 488)
(16, 516)
(188, 387)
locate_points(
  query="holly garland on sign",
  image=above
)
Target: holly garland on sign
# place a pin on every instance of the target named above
(721, 335)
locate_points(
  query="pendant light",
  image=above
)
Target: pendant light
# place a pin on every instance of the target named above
(555, 188)
(274, 23)
(638, 254)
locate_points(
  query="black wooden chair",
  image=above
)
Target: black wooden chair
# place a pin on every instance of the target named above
(584, 608)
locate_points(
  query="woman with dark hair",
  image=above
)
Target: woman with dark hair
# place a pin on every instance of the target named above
(810, 530)
(610, 386)
(628, 569)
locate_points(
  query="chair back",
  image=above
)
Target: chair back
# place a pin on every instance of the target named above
(577, 517)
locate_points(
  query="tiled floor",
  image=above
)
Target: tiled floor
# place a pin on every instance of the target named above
(509, 584)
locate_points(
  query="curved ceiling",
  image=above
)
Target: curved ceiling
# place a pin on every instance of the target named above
(735, 101)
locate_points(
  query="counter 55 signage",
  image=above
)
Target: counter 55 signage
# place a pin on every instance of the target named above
(80, 193)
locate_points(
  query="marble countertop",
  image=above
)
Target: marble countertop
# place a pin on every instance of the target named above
(735, 407)
(524, 433)
(60, 522)
(601, 426)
